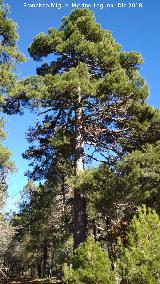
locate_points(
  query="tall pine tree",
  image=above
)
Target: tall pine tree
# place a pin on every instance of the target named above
(90, 95)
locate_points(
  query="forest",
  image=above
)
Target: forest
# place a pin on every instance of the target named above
(89, 213)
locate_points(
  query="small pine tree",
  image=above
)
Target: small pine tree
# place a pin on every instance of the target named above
(138, 262)
(91, 265)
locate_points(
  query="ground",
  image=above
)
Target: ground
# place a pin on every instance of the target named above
(29, 281)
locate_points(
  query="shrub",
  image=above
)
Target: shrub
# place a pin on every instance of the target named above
(91, 265)
(139, 261)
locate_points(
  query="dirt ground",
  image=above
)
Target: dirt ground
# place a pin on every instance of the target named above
(29, 281)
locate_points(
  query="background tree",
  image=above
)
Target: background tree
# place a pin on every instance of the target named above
(6, 166)
(139, 175)
(43, 240)
(9, 55)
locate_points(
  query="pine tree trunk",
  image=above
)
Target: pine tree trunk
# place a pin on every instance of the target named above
(80, 216)
(111, 239)
(39, 271)
(45, 255)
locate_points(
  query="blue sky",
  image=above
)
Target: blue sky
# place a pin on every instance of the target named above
(134, 28)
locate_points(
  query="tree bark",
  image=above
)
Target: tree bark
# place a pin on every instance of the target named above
(39, 271)
(79, 206)
(45, 255)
